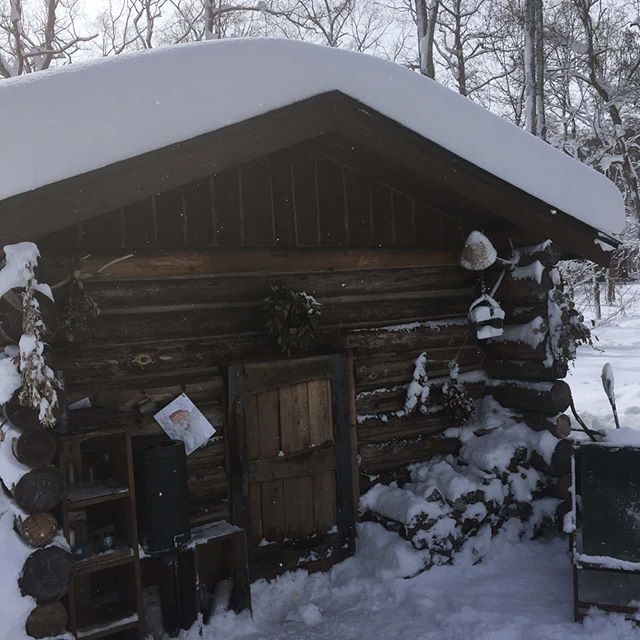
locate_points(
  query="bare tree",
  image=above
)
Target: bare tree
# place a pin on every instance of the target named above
(426, 20)
(37, 39)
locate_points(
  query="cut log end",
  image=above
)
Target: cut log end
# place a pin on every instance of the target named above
(35, 448)
(40, 490)
(38, 530)
(47, 574)
(47, 620)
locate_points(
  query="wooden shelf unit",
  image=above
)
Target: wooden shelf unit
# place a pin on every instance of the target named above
(105, 599)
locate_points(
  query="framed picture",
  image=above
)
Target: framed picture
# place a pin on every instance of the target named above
(182, 420)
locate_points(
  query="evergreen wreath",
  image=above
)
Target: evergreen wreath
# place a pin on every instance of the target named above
(291, 318)
(457, 401)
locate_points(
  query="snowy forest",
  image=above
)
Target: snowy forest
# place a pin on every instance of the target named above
(565, 70)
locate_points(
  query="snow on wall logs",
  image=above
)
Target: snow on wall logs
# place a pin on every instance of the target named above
(526, 364)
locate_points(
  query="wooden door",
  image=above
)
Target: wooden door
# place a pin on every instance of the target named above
(291, 461)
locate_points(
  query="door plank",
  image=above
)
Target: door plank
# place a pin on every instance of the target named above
(262, 376)
(273, 510)
(252, 427)
(320, 414)
(294, 418)
(255, 502)
(268, 403)
(324, 501)
(298, 514)
(308, 462)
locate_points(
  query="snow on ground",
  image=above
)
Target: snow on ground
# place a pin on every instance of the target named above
(522, 592)
(619, 344)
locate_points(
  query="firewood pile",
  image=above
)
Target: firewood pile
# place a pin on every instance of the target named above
(505, 476)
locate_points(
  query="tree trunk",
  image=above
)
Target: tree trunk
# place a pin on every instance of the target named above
(426, 16)
(541, 120)
(530, 67)
(47, 574)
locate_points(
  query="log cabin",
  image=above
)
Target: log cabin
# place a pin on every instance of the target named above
(169, 194)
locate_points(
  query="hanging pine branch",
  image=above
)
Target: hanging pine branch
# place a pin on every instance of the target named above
(291, 318)
(39, 384)
(457, 401)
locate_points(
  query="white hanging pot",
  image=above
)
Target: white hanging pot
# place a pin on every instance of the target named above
(487, 317)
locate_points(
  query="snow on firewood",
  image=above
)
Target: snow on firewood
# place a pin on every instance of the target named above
(448, 501)
(533, 333)
(533, 271)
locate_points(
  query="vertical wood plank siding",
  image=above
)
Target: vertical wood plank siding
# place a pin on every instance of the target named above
(301, 200)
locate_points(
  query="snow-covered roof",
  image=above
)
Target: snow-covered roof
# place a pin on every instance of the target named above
(69, 121)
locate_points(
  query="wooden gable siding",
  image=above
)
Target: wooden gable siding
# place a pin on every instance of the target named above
(306, 198)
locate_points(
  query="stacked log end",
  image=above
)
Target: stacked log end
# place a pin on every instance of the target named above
(525, 369)
(36, 486)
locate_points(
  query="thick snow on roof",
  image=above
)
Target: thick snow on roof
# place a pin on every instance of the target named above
(65, 122)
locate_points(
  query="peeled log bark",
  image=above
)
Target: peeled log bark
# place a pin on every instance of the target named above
(559, 426)
(26, 418)
(35, 448)
(47, 620)
(47, 574)
(40, 490)
(556, 399)
(11, 316)
(38, 530)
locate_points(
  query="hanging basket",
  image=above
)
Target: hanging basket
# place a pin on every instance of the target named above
(486, 317)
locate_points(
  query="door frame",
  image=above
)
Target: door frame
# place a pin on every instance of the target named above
(337, 367)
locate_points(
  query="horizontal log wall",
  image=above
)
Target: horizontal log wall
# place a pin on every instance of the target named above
(156, 337)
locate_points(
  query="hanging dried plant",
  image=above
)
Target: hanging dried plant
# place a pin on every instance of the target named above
(291, 318)
(79, 308)
(457, 402)
(39, 386)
